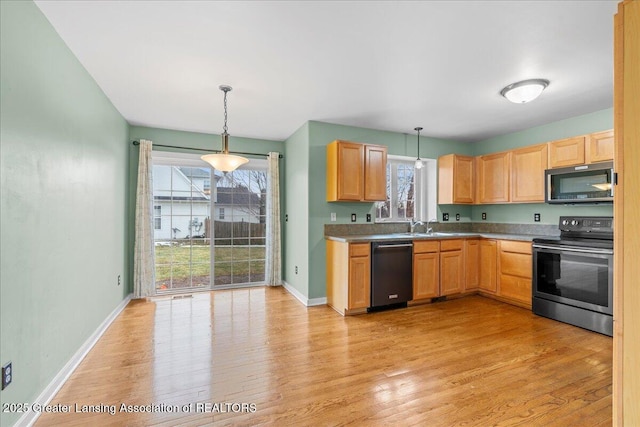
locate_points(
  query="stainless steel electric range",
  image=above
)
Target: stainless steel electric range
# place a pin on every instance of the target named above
(573, 274)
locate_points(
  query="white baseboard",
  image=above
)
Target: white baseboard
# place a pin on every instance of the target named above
(29, 418)
(303, 299)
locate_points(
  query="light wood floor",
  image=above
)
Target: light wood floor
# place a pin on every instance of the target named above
(471, 361)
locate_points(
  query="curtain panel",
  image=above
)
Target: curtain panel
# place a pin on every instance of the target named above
(144, 262)
(273, 268)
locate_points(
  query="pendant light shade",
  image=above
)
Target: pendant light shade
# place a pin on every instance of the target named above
(418, 164)
(524, 91)
(224, 161)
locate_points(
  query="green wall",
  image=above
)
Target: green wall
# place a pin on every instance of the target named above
(63, 203)
(296, 210)
(549, 214)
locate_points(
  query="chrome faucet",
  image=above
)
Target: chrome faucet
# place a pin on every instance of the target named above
(429, 229)
(414, 223)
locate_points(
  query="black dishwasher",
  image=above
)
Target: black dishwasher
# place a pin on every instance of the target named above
(391, 274)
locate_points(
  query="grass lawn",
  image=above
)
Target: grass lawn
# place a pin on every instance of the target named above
(185, 261)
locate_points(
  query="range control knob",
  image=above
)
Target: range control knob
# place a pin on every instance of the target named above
(565, 222)
(574, 222)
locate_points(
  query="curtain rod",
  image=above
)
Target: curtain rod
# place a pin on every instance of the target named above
(208, 151)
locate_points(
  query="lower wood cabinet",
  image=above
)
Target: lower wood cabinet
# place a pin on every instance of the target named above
(472, 264)
(451, 266)
(426, 269)
(516, 271)
(348, 276)
(488, 269)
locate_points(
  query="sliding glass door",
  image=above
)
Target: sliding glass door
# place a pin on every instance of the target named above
(207, 221)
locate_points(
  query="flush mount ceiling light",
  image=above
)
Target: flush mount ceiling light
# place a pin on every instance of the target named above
(524, 91)
(418, 164)
(224, 161)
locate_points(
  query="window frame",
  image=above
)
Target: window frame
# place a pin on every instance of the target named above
(425, 189)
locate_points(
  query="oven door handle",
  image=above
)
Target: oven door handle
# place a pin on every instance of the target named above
(574, 249)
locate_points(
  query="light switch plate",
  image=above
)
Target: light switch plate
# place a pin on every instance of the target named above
(333, 217)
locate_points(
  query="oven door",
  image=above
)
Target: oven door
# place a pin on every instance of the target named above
(576, 276)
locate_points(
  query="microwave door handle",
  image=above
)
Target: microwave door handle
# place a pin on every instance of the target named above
(613, 181)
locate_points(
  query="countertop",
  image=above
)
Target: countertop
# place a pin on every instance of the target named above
(361, 238)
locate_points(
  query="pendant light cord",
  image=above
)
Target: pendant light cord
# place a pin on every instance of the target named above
(225, 128)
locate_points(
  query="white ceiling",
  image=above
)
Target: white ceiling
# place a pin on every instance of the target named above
(386, 65)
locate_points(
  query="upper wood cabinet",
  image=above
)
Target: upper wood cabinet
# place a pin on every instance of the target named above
(456, 179)
(493, 177)
(527, 173)
(356, 172)
(593, 148)
(599, 147)
(566, 152)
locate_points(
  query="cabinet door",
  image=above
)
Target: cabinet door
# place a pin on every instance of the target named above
(599, 147)
(472, 266)
(493, 178)
(488, 266)
(426, 275)
(451, 272)
(375, 173)
(566, 152)
(456, 179)
(527, 173)
(359, 282)
(350, 171)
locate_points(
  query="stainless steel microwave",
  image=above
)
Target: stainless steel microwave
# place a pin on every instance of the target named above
(580, 184)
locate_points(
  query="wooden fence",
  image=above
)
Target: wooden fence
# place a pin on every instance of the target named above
(242, 233)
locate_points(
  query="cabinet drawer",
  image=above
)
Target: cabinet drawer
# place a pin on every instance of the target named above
(359, 249)
(515, 264)
(424, 246)
(451, 245)
(517, 288)
(513, 246)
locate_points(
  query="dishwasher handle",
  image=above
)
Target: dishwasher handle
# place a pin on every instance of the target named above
(399, 245)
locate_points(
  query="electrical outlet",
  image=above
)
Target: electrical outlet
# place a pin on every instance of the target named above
(119, 280)
(7, 375)
(457, 217)
(286, 218)
(536, 217)
(484, 216)
(296, 269)
(333, 217)
(445, 217)
(368, 217)
(353, 217)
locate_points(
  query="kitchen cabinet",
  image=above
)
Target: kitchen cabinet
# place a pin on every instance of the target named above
(348, 276)
(599, 147)
(356, 172)
(515, 266)
(527, 173)
(456, 179)
(493, 177)
(451, 266)
(472, 264)
(426, 269)
(488, 266)
(566, 152)
(580, 150)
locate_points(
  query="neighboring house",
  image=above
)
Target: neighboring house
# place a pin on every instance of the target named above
(182, 197)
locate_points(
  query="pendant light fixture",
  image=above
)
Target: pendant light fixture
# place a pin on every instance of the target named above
(418, 164)
(224, 161)
(524, 91)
